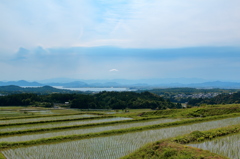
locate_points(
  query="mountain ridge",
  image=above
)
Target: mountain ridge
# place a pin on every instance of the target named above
(127, 83)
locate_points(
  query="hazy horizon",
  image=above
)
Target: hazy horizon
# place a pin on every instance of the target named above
(122, 39)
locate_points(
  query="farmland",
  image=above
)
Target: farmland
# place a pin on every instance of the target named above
(22, 111)
(59, 124)
(227, 146)
(83, 130)
(103, 135)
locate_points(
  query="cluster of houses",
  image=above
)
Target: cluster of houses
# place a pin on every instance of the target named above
(198, 95)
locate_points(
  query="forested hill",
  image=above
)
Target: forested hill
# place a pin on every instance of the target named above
(12, 89)
(220, 99)
(122, 100)
(103, 100)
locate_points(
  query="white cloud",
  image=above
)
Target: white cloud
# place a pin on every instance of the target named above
(124, 23)
(46, 23)
(113, 70)
(132, 23)
(172, 23)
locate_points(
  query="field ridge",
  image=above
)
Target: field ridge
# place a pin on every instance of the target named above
(174, 147)
(112, 132)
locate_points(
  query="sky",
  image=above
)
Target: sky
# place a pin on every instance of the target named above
(119, 39)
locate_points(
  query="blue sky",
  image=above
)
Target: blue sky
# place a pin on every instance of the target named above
(128, 39)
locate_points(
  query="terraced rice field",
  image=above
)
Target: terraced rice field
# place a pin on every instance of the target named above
(226, 146)
(83, 131)
(40, 112)
(6, 112)
(19, 111)
(60, 124)
(47, 118)
(112, 146)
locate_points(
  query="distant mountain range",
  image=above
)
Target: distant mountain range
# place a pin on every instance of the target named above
(41, 90)
(152, 83)
(20, 83)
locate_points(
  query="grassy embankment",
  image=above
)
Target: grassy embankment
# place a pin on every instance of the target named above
(200, 136)
(174, 148)
(185, 113)
(1, 156)
(171, 150)
(204, 111)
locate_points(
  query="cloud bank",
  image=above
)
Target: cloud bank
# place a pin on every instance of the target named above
(121, 23)
(217, 63)
(143, 38)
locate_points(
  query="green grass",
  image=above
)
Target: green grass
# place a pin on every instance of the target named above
(205, 111)
(171, 150)
(227, 145)
(11, 113)
(133, 113)
(11, 107)
(1, 156)
(200, 136)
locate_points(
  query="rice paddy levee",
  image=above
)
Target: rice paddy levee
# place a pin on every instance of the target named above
(10, 113)
(212, 140)
(50, 120)
(227, 146)
(223, 141)
(112, 130)
(167, 149)
(85, 130)
(56, 125)
(26, 129)
(117, 135)
(105, 144)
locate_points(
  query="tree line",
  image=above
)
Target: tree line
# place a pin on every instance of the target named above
(102, 100)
